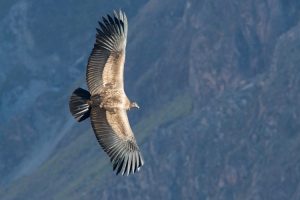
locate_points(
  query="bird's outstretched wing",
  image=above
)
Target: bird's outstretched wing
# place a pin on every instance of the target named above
(106, 62)
(114, 134)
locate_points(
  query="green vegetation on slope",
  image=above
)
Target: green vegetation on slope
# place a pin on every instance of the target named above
(81, 163)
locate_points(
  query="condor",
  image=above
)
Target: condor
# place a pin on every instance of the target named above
(106, 102)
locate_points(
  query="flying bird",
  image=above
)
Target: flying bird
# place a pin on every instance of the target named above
(106, 102)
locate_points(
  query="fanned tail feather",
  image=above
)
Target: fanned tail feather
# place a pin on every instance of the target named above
(78, 104)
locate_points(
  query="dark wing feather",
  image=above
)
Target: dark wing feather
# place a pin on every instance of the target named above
(106, 62)
(115, 136)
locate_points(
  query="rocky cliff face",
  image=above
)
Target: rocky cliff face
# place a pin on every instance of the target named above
(218, 82)
(43, 58)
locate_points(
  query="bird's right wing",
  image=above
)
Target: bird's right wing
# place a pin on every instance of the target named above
(115, 136)
(106, 62)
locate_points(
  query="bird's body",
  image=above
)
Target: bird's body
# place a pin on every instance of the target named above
(106, 102)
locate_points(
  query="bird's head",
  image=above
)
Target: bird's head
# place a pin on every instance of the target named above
(134, 105)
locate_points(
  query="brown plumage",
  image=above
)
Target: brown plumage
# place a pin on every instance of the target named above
(106, 102)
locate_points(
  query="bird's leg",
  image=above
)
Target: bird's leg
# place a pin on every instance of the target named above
(102, 104)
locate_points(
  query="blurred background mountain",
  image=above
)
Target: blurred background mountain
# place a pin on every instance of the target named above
(218, 82)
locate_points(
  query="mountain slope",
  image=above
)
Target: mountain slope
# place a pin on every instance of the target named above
(42, 60)
(218, 83)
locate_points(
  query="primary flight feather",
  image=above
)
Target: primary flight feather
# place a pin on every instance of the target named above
(106, 102)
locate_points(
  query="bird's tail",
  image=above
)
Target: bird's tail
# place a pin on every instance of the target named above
(78, 104)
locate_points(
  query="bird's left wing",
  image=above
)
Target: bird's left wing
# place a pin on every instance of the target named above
(114, 134)
(106, 62)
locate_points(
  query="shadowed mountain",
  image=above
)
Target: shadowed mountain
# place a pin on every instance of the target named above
(218, 83)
